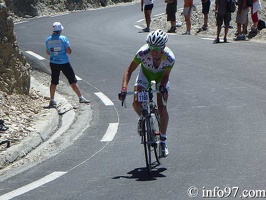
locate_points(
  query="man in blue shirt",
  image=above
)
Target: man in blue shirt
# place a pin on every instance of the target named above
(58, 47)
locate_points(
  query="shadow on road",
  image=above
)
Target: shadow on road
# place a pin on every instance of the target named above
(141, 174)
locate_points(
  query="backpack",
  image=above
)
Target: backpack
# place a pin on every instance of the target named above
(231, 6)
(261, 25)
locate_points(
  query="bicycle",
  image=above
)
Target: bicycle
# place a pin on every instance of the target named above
(149, 126)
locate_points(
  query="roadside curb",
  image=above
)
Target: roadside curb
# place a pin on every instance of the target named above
(48, 125)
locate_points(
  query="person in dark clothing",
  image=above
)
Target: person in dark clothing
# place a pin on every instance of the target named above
(222, 16)
(171, 9)
(205, 11)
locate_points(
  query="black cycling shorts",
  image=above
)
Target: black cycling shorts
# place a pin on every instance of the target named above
(171, 9)
(67, 71)
(148, 7)
(223, 18)
(206, 7)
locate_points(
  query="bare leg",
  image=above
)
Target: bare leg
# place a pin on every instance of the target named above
(219, 28)
(226, 31)
(173, 23)
(147, 14)
(52, 91)
(239, 29)
(164, 117)
(136, 105)
(188, 22)
(76, 89)
(205, 20)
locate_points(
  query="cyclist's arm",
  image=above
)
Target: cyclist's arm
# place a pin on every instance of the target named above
(165, 78)
(131, 68)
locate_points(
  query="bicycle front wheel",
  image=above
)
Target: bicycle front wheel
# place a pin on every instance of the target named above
(146, 130)
(156, 146)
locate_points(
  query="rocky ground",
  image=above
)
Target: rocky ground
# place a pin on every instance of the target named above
(19, 111)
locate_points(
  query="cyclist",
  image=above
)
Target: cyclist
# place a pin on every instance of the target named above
(156, 61)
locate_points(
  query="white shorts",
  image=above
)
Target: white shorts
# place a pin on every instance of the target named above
(187, 11)
(142, 81)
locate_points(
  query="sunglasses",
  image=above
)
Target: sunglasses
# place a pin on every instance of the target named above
(153, 48)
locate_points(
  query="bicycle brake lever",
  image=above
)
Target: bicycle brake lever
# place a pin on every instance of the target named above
(124, 104)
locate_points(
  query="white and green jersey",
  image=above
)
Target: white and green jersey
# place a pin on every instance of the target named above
(144, 58)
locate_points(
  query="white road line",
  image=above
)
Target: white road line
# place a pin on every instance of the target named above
(78, 78)
(137, 26)
(20, 22)
(110, 133)
(158, 15)
(207, 38)
(32, 185)
(221, 40)
(57, 15)
(104, 99)
(35, 55)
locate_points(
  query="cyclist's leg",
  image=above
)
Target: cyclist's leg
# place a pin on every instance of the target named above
(162, 109)
(137, 105)
(164, 118)
(140, 84)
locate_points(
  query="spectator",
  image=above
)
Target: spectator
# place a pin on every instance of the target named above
(256, 6)
(171, 8)
(205, 10)
(148, 6)
(57, 46)
(187, 11)
(222, 16)
(242, 20)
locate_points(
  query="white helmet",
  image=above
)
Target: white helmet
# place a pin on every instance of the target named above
(57, 26)
(157, 38)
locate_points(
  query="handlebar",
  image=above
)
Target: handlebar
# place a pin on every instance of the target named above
(149, 91)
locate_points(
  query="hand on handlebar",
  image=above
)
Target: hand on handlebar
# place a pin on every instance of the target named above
(122, 95)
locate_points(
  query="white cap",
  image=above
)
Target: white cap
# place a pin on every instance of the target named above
(57, 26)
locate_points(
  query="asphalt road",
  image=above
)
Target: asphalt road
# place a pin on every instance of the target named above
(216, 134)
